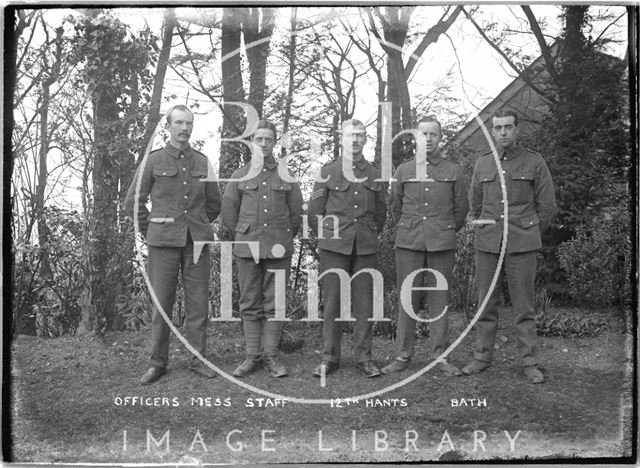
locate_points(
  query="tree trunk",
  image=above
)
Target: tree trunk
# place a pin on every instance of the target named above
(98, 298)
(256, 29)
(395, 25)
(43, 171)
(158, 82)
(291, 56)
(231, 153)
(104, 217)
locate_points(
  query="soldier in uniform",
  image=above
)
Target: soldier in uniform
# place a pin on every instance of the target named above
(182, 210)
(347, 211)
(266, 209)
(427, 214)
(531, 205)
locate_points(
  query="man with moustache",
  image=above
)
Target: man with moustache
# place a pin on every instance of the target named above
(265, 208)
(531, 205)
(428, 213)
(183, 206)
(347, 211)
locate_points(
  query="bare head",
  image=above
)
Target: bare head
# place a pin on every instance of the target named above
(180, 125)
(504, 126)
(265, 137)
(432, 130)
(354, 137)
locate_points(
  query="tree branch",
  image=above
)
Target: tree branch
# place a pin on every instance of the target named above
(544, 48)
(431, 37)
(608, 26)
(543, 94)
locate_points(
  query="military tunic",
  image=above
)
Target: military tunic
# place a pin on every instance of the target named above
(530, 195)
(531, 205)
(427, 214)
(268, 210)
(264, 209)
(183, 206)
(347, 217)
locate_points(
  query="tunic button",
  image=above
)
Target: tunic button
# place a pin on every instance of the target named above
(264, 183)
(164, 173)
(426, 204)
(266, 209)
(502, 216)
(355, 206)
(355, 193)
(265, 224)
(184, 183)
(264, 196)
(185, 211)
(522, 177)
(504, 172)
(424, 217)
(186, 196)
(355, 220)
(426, 189)
(184, 168)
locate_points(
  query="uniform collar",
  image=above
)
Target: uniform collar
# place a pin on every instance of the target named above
(270, 162)
(512, 152)
(360, 163)
(434, 158)
(175, 152)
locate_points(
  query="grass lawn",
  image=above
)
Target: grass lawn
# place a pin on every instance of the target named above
(69, 394)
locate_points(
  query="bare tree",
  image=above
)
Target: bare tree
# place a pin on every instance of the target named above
(257, 28)
(168, 27)
(394, 21)
(231, 154)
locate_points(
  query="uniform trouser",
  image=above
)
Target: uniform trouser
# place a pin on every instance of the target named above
(520, 269)
(361, 302)
(258, 301)
(408, 261)
(164, 265)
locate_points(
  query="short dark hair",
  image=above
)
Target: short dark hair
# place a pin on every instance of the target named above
(429, 119)
(263, 123)
(177, 107)
(353, 123)
(507, 112)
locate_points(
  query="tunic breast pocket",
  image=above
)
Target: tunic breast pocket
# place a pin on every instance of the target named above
(337, 196)
(198, 175)
(371, 190)
(522, 187)
(443, 187)
(164, 174)
(340, 186)
(249, 192)
(490, 189)
(280, 192)
(165, 182)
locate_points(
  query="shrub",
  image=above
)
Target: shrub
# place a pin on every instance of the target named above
(570, 323)
(136, 306)
(47, 305)
(463, 291)
(597, 260)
